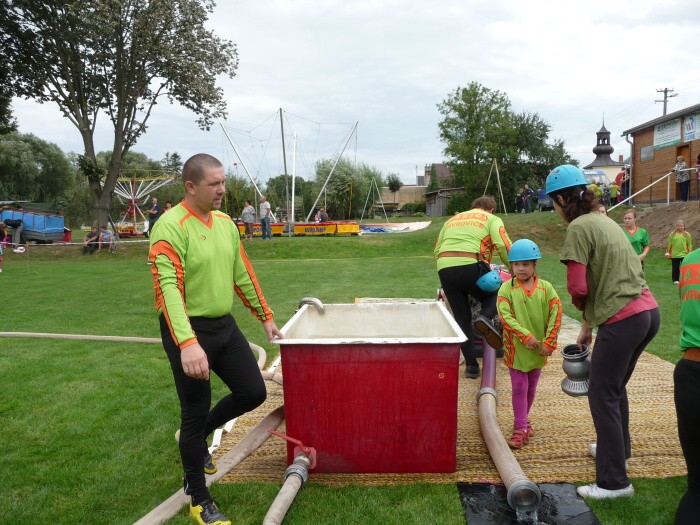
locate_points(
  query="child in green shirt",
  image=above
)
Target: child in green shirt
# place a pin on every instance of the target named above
(680, 244)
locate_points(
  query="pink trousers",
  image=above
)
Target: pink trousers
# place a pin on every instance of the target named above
(524, 388)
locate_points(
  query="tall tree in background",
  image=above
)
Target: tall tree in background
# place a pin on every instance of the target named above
(479, 125)
(92, 57)
(172, 162)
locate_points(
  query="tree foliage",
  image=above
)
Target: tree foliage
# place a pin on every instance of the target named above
(172, 162)
(8, 124)
(348, 188)
(479, 125)
(119, 58)
(394, 183)
(33, 169)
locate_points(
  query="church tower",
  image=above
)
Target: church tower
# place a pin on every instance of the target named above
(603, 149)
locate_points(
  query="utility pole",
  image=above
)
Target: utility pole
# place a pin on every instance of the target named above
(666, 92)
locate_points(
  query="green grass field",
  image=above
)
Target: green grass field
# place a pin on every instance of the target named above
(87, 427)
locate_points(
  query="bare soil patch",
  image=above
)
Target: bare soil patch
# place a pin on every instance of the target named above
(660, 221)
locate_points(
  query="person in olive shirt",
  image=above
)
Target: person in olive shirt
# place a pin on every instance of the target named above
(686, 386)
(465, 244)
(620, 304)
(198, 262)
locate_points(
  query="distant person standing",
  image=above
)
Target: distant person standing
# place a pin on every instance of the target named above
(528, 194)
(323, 215)
(623, 181)
(248, 218)
(686, 387)
(682, 177)
(614, 193)
(638, 237)
(680, 244)
(265, 212)
(167, 206)
(519, 201)
(153, 214)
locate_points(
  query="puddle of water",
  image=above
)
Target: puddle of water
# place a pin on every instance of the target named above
(486, 504)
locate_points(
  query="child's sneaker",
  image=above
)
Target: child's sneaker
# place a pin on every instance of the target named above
(518, 439)
(207, 513)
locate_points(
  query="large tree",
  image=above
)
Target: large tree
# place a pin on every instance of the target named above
(479, 125)
(119, 58)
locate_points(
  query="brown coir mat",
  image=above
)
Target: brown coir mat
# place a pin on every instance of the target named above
(557, 453)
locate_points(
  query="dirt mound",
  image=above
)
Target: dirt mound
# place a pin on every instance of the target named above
(660, 221)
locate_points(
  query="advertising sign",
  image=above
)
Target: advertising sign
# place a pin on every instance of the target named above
(690, 127)
(667, 134)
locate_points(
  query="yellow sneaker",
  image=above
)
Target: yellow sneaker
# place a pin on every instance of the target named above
(207, 513)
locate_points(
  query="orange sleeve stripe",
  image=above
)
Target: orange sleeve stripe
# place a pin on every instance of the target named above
(165, 248)
(504, 237)
(258, 292)
(551, 341)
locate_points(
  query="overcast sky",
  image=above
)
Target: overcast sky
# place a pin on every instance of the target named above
(388, 64)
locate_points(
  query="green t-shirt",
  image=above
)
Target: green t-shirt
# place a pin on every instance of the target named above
(613, 271)
(689, 288)
(473, 231)
(639, 239)
(679, 244)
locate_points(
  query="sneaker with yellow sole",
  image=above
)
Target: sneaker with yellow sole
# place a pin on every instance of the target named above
(207, 513)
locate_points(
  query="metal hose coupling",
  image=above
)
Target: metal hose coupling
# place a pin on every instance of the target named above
(486, 390)
(313, 301)
(524, 497)
(300, 467)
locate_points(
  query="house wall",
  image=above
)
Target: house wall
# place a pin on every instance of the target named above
(407, 193)
(644, 172)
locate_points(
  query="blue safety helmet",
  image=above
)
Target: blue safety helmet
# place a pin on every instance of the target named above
(524, 250)
(565, 176)
(490, 282)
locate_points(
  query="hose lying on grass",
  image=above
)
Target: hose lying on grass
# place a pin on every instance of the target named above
(225, 463)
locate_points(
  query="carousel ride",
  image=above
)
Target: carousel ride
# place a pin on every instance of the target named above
(134, 190)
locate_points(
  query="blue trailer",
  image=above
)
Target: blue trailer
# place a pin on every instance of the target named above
(38, 226)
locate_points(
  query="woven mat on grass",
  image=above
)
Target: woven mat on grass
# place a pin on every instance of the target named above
(558, 452)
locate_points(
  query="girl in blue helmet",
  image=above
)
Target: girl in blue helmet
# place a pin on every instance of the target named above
(605, 279)
(530, 312)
